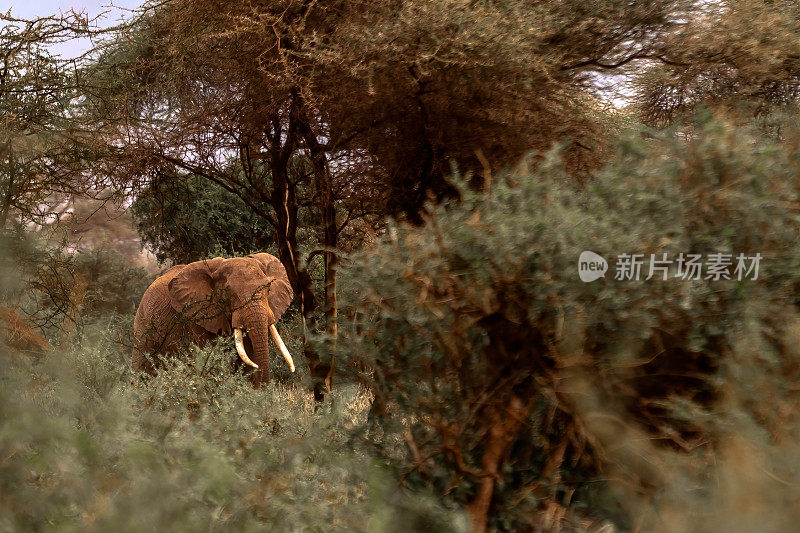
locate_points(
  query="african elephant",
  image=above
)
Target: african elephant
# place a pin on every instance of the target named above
(243, 296)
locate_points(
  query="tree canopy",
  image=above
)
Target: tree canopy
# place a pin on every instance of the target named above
(740, 55)
(35, 92)
(356, 110)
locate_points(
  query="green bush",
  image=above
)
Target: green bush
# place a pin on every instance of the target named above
(113, 286)
(506, 384)
(61, 291)
(183, 221)
(87, 446)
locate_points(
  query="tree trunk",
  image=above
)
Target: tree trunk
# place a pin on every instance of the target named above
(330, 238)
(505, 426)
(284, 202)
(331, 305)
(326, 203)
(9, 196)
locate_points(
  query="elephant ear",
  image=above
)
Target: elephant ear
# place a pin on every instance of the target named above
(280, 291)
(191, 290)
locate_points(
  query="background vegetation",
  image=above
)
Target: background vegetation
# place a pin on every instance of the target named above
(429, 173)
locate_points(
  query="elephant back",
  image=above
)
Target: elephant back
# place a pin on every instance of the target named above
(157, 294)
(153, 312)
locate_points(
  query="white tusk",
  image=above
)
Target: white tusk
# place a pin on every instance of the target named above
(237, 337)
(282, 347)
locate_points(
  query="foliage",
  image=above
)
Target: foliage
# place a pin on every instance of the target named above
(188, 220)
(60, 291)
(39, 128)
(379, 95)
(87, 446)
(738, 55)
(361, 106)
(113, 286)
(32, 102)
(508, 385)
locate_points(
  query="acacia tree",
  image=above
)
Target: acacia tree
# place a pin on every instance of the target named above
(739, 55)
(35, 91)
(41, 137)
(356, 110)
(175, 109)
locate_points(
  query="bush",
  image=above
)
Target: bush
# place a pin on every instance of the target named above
(60, 292)
(84, 447)
(87, 446)
(112, 285)
(506, 384)
(188, 220)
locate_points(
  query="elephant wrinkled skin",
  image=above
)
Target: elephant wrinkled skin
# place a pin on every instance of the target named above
(194, 303)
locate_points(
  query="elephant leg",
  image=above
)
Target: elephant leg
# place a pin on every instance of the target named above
(138, 360)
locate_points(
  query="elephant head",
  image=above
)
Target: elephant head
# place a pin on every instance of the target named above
(243, 296)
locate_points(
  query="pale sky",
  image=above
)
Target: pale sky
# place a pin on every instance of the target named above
(41, 8)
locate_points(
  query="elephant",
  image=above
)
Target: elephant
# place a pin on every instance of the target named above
(195, 303)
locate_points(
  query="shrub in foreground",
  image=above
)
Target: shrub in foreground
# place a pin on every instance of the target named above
(87, 446)
(508, 385)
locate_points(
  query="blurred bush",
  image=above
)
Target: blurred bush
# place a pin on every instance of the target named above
(112, 284)
(60, 291)
(84, 447)
(506, 384)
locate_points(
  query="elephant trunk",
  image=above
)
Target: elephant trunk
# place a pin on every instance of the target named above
(257, 319)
